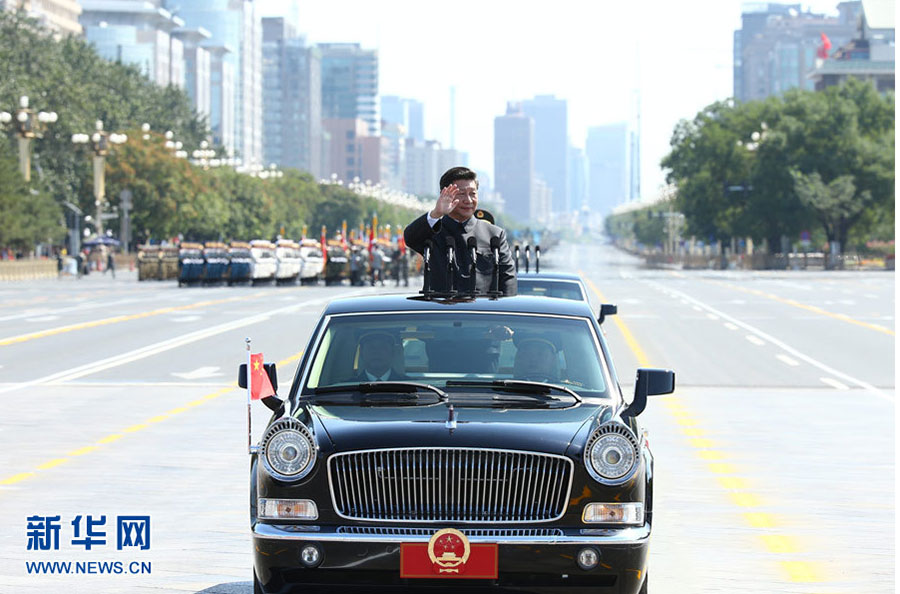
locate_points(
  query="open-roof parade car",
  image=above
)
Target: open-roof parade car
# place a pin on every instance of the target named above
(461, 442)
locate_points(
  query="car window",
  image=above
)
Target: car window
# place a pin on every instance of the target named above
(436, 347)
(558, 289)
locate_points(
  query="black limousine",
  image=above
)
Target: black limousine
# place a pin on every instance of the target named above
(466, 443)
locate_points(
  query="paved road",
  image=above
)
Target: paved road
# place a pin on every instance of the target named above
(774, 458)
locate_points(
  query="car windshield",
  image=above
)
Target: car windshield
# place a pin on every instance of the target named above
(436, 348)
(550, 288)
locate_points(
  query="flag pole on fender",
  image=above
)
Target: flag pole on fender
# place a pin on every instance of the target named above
(249, 387)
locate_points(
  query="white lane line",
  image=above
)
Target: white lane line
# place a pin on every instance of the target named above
(75, 308)
(787, 360)
(199, 373)
(42, 319)
(166, 345)
(834, 383)
(697, 308)
(684, 302)
(712, 316)
(755, 340)
(848, 378)
(730, 326)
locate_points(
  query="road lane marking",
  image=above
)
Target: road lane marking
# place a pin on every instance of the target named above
(812, 308)
(834, 383)
(755, 340)
(787, 360)
(789, 349)
(779, 543)
(735, 486)
(712, 316)
(730, 326)
(734, 483)
(802, 572)
(133, 429)
(642, 359)
(159, 347)
(117, 319)
(760, 520)
(745, 499)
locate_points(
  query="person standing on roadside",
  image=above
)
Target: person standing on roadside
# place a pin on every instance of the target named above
(451, 223)
(111, 263)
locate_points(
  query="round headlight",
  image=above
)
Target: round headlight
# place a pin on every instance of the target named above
(288, 450)
(611, 454)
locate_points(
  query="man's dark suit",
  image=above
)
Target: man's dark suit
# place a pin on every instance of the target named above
(450, 232)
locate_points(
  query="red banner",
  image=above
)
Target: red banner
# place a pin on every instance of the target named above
(449, 555)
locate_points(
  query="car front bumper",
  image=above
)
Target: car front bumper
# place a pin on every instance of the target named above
(528, 561)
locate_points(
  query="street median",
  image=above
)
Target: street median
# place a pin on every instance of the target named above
(17, 270)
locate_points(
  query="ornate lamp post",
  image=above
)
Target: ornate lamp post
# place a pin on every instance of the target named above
(100, 141)
(27, 129)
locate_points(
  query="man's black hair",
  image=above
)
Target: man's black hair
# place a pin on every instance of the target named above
(457, 173)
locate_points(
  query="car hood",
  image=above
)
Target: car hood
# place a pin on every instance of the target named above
(344, 428)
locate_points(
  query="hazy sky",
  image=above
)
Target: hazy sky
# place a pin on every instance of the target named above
(594, 54)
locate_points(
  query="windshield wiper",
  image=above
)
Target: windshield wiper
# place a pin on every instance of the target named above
(383, 388)
(539, 390)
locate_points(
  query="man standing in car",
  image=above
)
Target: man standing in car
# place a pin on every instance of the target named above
(451, 223)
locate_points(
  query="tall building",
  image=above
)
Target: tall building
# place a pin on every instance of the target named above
(607, 150)
(422, 175)
(197, 67)
(222, 93)
(136, 32)
(869, 56)
(577, 183)
(775, 48)
(551, 124)
(355, 154)
(235, 26)
(405, 112)
(514, 160)
(350, 84)
(292, 99)
(59, 16)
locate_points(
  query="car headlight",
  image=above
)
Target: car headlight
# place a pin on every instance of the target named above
(611, 455)
(288, 450)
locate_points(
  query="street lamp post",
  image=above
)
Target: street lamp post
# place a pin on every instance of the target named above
(26, 129)
(100, 141)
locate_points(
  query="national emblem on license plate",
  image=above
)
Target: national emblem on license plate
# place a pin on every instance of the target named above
(448, 554)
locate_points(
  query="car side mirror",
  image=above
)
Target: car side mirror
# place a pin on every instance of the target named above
(273, 402)
(649, 382)
(607, 309)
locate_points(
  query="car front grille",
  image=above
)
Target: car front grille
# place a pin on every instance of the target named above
(450, 485)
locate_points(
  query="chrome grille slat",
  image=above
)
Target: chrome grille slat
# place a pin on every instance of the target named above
(470, 485)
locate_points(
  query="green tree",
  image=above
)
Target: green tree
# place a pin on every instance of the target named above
(837, 204)
(28, 217)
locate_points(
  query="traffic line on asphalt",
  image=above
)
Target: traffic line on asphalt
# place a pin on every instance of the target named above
(788, 349)
(159, 347)
(727, 476)
(730, 326)
(787, 360)
(113, 437)
(755, 340)
(834, 383)
(812, 308)
(117, 319)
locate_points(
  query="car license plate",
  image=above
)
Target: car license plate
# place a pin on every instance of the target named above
(449, 555)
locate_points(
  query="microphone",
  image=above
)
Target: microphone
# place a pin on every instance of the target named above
(426, 280)
(451, 268)
(472, 244)
(537, 259)
(527, 257)
(517, 258)
(495, 275)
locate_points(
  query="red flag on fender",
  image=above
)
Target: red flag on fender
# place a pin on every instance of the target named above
(260, 386)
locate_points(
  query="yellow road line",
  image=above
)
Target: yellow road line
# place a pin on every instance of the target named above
(134, 428)
(642, 359)
(118, 319)
(812, 308)
(736, 487)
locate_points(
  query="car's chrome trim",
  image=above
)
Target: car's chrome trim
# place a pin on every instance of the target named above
(636, 535)
(388, 496)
